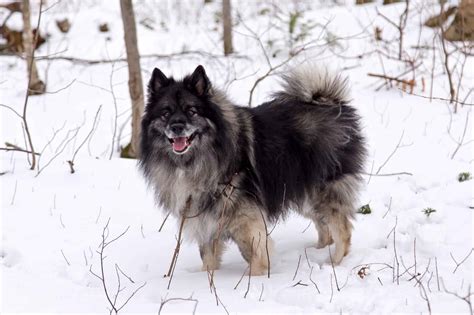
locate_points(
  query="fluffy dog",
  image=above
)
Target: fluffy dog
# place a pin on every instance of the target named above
(230, 171)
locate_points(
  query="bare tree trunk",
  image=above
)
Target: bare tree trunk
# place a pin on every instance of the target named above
(135, 85)
(227, 21)
(35, 85)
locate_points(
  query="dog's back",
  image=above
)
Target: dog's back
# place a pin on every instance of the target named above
(306, 138)
(310, 152)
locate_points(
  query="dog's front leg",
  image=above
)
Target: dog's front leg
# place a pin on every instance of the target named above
(248, 230)
(211, 254)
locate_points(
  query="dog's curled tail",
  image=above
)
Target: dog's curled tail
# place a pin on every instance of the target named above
(310, 84)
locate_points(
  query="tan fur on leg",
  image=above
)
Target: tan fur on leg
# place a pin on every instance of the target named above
(324, 235)
(211, 254)
(340, 228)
(247, 229)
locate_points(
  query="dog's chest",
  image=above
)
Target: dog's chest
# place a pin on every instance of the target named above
(174, 188)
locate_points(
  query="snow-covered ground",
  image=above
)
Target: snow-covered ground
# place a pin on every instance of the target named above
(402, 260)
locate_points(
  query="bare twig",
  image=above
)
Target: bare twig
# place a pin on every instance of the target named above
(391, 154)
(299, 283)
(174, 260)
(333, 269)
(261, 293)
(310, 279)
(458, 264)
(241, 278)
(466, 298)
(25, 104)
(306, 228)
(12, 147)
(192, 54)
(164, 221)
(297, 267)
(397, 264)
(62, 146)
(250, 269)
(266, 241)
(437, 274)
(389, 78)
(306, 256)
(452, 91)
(388, 208)
(190, 299)
(461, 140)
(332, 289)
(400, 26)
(104, 243)
(14, 193)
(389, 174)
(124, 274)
(212, 286)
(71, 161)
(64, 256)
(423, 293)
(114, 98)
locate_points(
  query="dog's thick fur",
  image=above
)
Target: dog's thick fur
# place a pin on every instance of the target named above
(243, 168)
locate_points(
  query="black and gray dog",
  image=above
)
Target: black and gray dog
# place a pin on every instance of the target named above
(230, 170)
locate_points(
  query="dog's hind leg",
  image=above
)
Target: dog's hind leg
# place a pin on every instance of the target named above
(247, 229)
(340, 229)
(211, 254)
(334, 210)
(324, 234)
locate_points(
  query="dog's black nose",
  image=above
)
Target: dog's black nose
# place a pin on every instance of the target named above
(177, 128)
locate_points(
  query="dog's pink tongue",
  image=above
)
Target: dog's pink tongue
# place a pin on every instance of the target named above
(179, 144)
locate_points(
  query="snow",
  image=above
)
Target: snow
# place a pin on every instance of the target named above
(52, 223)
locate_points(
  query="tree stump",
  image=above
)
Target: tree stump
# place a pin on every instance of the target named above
(462, 27)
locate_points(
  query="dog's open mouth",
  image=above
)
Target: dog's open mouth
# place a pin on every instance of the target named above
(181, 144)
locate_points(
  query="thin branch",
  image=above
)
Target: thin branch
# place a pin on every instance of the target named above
(25, 104)
(389, 174)
(241, 278)
(12, 110)
(462, 261)
(437, 274)
(461, 140)
(190, 299)
(12, 147)
(164, 221)
(310, 279)
(191, 53)
(174, 260)
(64, 256)
(250, 269)
(391, 154)
(466, 298)
(115, 108)
(266, 241)
(71, 161)
(333, 269)
(297, 267)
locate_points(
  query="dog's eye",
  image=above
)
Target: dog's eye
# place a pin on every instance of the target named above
(164, 115)
(191, 111)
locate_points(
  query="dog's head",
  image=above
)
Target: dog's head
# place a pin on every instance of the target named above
(179, 121)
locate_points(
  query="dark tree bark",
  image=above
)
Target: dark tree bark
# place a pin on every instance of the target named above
(227, 22)
(135, 85)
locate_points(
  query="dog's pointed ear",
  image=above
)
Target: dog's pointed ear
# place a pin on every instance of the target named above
(200, 82)
(158, 80)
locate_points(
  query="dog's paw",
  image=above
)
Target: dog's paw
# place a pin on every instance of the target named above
(209, 268)
(258, 271)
